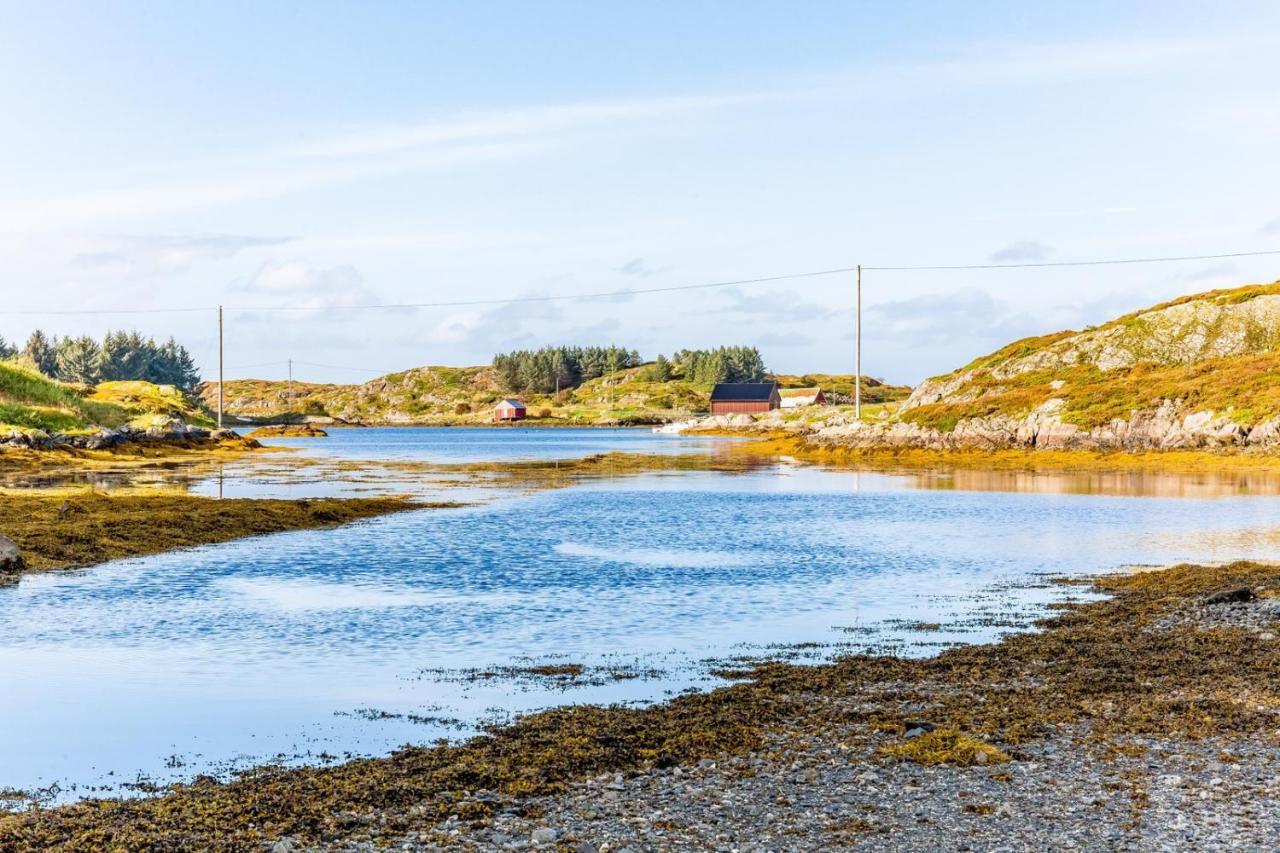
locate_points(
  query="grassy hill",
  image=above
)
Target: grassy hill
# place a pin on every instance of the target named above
(32, 401)
(1210, 352)
(461, 395)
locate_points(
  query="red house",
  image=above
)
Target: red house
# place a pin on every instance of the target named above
(729, 398)
(509, 410)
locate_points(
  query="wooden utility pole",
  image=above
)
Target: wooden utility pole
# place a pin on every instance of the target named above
(219, 367)
(289, 396)
(857, 369)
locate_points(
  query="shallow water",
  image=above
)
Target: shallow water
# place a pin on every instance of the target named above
(357, 640)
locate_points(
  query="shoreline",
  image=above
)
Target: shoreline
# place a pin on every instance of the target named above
(79, 530)
(1154, 667)
(1018, 697)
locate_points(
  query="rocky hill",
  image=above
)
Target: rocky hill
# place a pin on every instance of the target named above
(36, 410)
(466, 395)
(1200, 371)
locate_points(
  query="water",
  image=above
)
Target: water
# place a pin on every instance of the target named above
(315, 645)
(482, 444)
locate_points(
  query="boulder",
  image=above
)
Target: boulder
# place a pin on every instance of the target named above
(11, 560)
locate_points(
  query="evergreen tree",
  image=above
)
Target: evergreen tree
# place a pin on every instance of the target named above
(542, 371)
(78, 360)
(661, 369)
(7, 350)
(41, 352)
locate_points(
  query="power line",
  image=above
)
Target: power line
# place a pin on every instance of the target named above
(340, 367)
(554, 298)
(1073, 263)
(608, 294)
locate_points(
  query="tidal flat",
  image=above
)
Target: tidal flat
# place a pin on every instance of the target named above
(566, 617)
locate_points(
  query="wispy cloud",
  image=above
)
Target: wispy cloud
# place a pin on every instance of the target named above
(1023, 251)
(774, 305)
(641, 268)
(331, 158)
(163, 254)
(947, 317)
(1271, 229)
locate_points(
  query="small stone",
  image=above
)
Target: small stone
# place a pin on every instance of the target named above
(544, 835)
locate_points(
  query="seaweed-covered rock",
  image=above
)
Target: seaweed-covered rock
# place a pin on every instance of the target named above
(1234, 595)
(10, 557)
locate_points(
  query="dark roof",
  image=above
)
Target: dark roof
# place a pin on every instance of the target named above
(743, 392)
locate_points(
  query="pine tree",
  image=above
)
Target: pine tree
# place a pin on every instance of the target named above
(79, 360)
(661, 370)
(41, 352)
(6, 349)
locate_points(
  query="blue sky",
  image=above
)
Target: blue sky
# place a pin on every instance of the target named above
(335, 154)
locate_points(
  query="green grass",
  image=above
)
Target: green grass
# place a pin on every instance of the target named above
(31, 401)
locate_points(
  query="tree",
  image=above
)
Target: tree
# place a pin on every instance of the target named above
(543, 371)
(41, 352)
(173, 365)
(7, 350)
(723, 364)
(660, 371)
(79, 360)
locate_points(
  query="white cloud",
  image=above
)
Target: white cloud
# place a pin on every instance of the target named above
(1271, 229)
(299, 284)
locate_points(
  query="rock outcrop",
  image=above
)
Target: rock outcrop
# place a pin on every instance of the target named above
(11, 560)
(169, 432)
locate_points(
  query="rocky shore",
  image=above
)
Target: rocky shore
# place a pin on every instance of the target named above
(1144, 720)
(167, 432)
(1171, 426)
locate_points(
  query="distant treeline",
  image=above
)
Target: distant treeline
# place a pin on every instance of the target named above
(722, 364)
(121, 355)
(543, 371)
(550, 368)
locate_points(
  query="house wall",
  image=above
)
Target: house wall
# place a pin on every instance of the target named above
(734, 407)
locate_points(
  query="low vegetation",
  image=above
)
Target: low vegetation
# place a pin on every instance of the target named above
(55, 532)
(1246, 388)
(1210, 352)
(31, 401)
(466, 395)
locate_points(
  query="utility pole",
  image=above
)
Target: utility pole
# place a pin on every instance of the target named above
(219, 367)
(857, 377)
(289, 395)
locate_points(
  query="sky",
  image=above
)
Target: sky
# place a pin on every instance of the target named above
(321, 157)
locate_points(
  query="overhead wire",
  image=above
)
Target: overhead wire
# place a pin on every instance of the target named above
(607, 294)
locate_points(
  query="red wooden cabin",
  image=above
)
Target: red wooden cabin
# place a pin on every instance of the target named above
(729, 398)
(509, 410)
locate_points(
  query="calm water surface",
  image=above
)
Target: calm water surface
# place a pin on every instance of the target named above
(356, 640)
